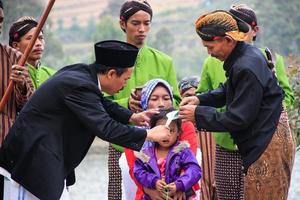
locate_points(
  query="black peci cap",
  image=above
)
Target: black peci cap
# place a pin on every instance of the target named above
(113, 53)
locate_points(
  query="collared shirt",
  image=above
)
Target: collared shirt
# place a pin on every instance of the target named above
(99, 85)
(40, 74)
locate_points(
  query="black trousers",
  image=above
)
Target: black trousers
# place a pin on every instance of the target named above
(1, 187)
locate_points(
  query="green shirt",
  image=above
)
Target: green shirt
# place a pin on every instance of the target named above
(150, 64)
(213, 75)
(40, 75)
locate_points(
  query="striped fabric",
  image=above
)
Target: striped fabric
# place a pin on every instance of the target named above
(207, 146)
(20, 95)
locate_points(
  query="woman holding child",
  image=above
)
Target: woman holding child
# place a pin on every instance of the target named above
(156, 94)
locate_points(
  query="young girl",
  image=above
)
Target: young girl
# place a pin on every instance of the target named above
(168, 166)
(156, 94)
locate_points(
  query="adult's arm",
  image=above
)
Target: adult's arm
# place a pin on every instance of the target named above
(215, 98)
(240, 113)
(23, 90)
(89, 107)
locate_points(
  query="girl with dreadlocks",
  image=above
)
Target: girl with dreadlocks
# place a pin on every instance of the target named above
(20, 35)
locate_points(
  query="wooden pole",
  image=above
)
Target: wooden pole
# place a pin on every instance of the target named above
(24, 57)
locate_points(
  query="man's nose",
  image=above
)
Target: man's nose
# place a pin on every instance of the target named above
(142, 28)
(209, 51)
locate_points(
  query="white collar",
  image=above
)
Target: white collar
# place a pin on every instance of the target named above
(99, 85)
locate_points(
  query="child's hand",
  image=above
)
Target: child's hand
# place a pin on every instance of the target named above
(160, 184)
(179, 196)
(172, 188)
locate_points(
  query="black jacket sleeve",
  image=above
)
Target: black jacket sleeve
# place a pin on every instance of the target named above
(241, 112)
(116, 111)
(88, 106)
(215, 98)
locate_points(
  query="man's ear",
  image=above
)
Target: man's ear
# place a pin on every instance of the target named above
(123, 25)
(15, 45)
(256, 29)
(111, 73)
(228, 38)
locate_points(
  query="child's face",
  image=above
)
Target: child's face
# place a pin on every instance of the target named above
(174, 133)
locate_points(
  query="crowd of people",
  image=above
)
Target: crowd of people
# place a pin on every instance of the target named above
(230, 137)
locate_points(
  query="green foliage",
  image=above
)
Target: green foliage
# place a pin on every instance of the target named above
(14, 9)
(53, 51)
(294, 111)
(278, 21)
(113, 8)
(164, 40)
(108, 28)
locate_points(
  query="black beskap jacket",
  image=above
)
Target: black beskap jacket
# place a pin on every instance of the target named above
(253, 102)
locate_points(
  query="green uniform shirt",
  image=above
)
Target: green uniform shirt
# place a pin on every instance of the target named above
(40, 75)
(213, 75)
(150, 64)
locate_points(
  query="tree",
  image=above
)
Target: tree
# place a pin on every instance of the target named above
(113, 8)
(107, 29)
(14, 9)
(294, 111)
(164, 40)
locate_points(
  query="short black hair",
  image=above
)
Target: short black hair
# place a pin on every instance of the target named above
(1, 4)
(163, 115)
(102, 69)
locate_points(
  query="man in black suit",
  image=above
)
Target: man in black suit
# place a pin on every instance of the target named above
(57, 126)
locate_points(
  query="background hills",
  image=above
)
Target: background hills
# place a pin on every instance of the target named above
(73, 27)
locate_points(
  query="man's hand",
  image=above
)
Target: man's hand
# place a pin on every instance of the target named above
(155, 194)
(18, 74)
(160, 184)
(179, 196)
(193, 100)
(158, 133)
(134, 103)
(142, 118)
(187, 113)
